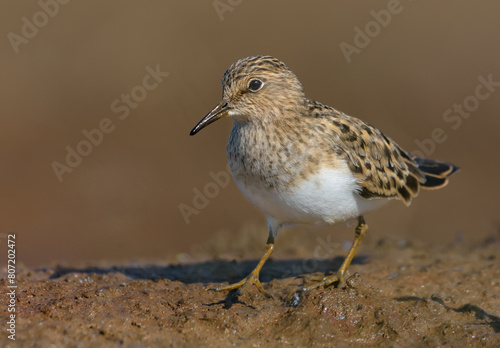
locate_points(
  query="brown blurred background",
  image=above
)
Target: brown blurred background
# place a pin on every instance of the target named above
(122, 201)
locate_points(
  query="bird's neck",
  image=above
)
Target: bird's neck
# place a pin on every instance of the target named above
(270, 117)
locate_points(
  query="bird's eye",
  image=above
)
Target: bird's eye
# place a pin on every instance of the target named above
(255, 84)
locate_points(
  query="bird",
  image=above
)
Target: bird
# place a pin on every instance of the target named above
(302, 162)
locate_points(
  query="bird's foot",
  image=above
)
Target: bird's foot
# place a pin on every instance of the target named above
(244, 284)
(327, 281)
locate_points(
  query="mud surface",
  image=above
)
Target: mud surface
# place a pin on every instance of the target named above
(399, 293)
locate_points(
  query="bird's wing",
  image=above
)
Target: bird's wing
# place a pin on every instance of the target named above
(382, 167)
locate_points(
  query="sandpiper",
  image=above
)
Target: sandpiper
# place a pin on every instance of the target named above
(300, 161)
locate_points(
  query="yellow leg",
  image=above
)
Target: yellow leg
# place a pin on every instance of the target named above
(253, 277)
(340, 276)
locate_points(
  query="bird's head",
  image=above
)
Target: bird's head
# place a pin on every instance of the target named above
(254, 88)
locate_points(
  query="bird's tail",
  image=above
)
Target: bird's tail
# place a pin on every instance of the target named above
(436, 172)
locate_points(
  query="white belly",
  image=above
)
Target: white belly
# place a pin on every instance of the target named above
(327, 197)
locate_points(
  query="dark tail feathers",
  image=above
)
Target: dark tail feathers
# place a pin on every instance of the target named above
(436, 172)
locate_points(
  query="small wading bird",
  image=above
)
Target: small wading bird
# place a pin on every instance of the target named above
(300, 161)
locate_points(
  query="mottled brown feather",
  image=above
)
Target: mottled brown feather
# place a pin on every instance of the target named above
(382, 167)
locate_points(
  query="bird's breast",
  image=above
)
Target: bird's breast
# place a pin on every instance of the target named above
(269, 159)
(293, 181)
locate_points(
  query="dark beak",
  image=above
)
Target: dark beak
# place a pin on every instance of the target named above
(220, 111)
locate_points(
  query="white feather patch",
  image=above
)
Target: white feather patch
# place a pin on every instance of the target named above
(327, 197)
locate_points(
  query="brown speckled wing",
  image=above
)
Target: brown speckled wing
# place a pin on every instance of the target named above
(382, 167)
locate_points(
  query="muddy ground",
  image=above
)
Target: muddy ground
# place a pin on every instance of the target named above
(400, 293)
